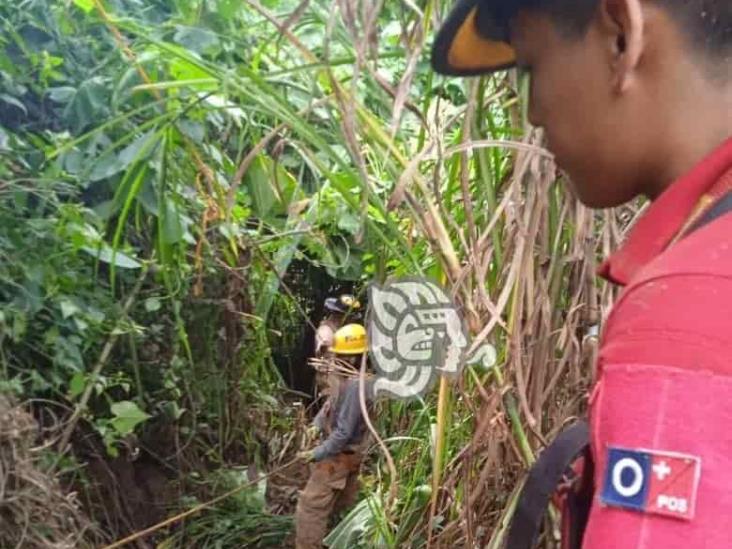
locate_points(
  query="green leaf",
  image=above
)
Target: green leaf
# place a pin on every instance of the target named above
(73, 161)
(228, 8)
(105, 210)
(68, 354)
(89, 104)
(152, 304)
(107, 255)
(109, 163)
(69, 308)
(138, 150)
(349, 222)
(172, 410)
(257, 179)
(172, 229)
(182, 69)
(148, 197)
(81, 324)
(348, 532)
(61, 94)
(197, 39)
(105, 166)
(193, 130)
(12, 386)
(10, 100)
(127, 415)
(85, 5)
(77, 384)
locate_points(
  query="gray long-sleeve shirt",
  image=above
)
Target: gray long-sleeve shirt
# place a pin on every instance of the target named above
(348, 423)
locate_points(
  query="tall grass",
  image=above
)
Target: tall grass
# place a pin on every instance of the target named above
(461, 185)
(442, 177)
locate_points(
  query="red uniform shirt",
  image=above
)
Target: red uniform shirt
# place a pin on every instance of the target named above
(661, 411)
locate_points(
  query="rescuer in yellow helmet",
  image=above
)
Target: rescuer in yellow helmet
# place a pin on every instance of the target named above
(333, 484)
(337, 309)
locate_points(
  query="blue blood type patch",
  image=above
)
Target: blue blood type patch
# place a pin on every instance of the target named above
(651, 481)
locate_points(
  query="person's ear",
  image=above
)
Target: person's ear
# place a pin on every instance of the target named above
(623, 24)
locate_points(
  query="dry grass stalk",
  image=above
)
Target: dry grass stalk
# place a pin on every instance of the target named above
(548, 301)
(34, 511)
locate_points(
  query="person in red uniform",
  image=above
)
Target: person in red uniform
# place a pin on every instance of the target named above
(635, 99)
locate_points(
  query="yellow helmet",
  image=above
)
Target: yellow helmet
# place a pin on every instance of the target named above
(350, 340)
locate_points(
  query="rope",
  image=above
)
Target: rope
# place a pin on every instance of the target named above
(194, 510)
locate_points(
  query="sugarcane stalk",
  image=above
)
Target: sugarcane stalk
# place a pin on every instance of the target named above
(442, 397)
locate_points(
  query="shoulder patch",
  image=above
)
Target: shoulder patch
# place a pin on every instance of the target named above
(651, 481)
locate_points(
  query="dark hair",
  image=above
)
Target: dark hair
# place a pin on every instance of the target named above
(707, 23)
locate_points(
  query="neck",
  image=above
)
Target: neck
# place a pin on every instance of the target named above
(686, 154)
(334, 384)
(697, 120)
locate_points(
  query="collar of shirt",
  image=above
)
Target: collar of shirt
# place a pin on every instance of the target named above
(668, 214)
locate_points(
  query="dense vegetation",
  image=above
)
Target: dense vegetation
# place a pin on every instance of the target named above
(183, 181)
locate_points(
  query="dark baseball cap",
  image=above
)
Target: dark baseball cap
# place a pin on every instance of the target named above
(475, 39)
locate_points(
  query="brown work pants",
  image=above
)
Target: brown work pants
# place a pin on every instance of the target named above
(331, 488)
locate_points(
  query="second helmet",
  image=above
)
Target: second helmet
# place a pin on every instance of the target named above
(342, 303)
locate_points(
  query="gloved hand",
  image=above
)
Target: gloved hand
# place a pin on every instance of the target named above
(307, 455)
(312, 432)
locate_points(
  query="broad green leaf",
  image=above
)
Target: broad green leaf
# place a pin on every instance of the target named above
(138, 150)
(129, 80)
(228, 8)
(107, 255)
(152, 304)
(148, 197)
(73, 161)
(172, 410)
(68, 353)
(182, 69)
(85, 5)
(77, 384)
(81, 324)
(89, 104)
(349, 222)
(285, 185)
(61, 94)
(127, 415)
(193, 130)
(69, 308)
(106, 166)
(29, 297)
(260, 187)
(347, 533)
(172, 230)
(105, 210)
(111, 163)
